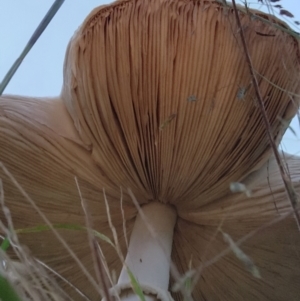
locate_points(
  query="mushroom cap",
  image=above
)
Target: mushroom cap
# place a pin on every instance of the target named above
(161, 94)
(157, 97)
(44, 173)
(41, 150)
(272, 242)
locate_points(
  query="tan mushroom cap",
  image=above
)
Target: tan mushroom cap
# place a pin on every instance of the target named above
(154, 90)
(274, 249)
(152, 87)
(41, 150)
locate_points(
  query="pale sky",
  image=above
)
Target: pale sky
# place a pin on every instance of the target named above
(41, 72)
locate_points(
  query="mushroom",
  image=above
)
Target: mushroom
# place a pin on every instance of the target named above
(157, 103)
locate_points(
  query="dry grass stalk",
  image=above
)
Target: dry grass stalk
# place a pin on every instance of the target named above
(285, 178)
(94, 248)
(49, 224)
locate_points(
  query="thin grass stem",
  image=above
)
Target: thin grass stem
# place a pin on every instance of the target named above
(285, 177)
(40, 29)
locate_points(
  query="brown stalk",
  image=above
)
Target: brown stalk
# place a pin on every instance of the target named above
(285, 177)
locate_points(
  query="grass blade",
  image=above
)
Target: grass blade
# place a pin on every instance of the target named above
(136, 286)
(5, 245)
(7, 293)
(41, 228)
(244, 258)
(40, 29)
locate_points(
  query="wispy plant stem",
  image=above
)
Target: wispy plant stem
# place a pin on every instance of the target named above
(40, 29)
(285, 177)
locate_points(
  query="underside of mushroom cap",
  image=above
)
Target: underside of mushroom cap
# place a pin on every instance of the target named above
(162, 102)
(161, 93)
(41, 160)
(43, 155)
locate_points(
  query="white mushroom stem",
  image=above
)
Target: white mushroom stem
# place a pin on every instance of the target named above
(149, 252)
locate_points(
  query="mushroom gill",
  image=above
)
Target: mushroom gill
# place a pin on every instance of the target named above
(161, 93)
(157, 97)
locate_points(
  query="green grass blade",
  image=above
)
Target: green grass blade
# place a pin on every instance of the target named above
(136, 286)
(7, 292)
(42, 26)
(5, 245)
(42, 228)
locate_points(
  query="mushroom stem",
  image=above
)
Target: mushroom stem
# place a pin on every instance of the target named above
(149, 251)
